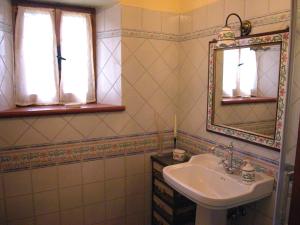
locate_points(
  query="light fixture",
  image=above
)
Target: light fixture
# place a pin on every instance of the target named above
(226, 37)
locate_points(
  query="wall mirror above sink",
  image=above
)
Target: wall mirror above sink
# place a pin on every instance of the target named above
(247, 88)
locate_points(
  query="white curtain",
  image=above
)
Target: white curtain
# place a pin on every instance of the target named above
(247, 73)
(230, 71)
(77, 74)
(36, 73)
(239, 73)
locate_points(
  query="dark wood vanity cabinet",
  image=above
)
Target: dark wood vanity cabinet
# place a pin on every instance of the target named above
(168, 206)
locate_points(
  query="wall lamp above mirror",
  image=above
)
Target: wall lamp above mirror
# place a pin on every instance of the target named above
(226, 37)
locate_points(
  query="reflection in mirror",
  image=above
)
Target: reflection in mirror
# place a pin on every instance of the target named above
(247, 88)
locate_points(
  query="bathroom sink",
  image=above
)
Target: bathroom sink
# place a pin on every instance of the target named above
(204, 180)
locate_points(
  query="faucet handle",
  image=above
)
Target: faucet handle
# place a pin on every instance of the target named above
(231, 144)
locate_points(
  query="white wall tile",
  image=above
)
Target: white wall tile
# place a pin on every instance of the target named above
(151, 20)
(70, 197)
(100, 20)
(69, 175)
(94, 214)
(131, 17)
(73, 216)
(134, 164)
(28, 221)
(135, 184)
(44, 179)
(17, 183)
(93, 171)
(115, 209)
(114, 168)
(279, 5)
(46, 219)
(200, 18)
(234, 6)
(2, 211)
(135, 204)
(46, 202)
(114, 189)
(19, 207)
(5, 12)
(170, 23)
(93, 193)
(215, 13)
(112, 18)
(186, 23)
(256, 8)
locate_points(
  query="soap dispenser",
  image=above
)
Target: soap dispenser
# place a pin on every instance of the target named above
(248, 173)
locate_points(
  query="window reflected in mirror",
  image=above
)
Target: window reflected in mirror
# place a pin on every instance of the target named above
(247, 88)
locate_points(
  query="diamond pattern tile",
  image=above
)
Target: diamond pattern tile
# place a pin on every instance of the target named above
(6, 71)
(146, 54)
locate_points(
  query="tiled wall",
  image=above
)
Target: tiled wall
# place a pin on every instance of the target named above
(104, 191)
(6, 56)
(147, 87)
(155, 71)
(194, 58)
(193, 77)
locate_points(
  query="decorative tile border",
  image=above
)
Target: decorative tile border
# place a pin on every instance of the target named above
(196, 145)
(259, 21)
(150, 35)
(6, 28)
(44, 156)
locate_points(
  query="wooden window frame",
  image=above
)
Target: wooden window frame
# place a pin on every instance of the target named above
(36, 110)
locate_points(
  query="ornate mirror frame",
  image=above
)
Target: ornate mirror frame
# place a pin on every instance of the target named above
(281, 37)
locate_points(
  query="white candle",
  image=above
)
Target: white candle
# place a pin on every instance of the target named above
(175, 126)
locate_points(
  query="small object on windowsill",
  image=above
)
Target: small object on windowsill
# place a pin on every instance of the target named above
(179, 155)
(73, 105)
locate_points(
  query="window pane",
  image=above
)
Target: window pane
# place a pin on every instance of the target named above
(77, 76)
(248, 72)
(36, 68)
(230, 70)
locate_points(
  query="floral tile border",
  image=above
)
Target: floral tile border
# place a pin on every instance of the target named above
(198, 145)
(44, 156)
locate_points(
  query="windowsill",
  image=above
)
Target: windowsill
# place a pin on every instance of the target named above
(246, 100)
(58, 110)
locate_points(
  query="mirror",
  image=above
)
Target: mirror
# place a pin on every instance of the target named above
(247, 86)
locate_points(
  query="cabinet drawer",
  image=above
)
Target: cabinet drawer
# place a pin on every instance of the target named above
(157, 170)
(158, 220)
(163, 190)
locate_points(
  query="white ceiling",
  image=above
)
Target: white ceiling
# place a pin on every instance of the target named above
(91, 3)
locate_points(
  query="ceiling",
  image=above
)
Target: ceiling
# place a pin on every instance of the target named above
(91, 3)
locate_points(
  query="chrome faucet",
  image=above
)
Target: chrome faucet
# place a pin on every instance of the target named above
(227, 162)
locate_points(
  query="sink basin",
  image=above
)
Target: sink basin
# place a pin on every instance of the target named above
(203, 180)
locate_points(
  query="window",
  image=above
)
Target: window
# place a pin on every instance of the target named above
(239, 73)
(54, 56)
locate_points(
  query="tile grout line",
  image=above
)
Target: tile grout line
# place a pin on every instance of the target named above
(33, 196)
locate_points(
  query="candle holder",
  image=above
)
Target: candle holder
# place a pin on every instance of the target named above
(175, 142)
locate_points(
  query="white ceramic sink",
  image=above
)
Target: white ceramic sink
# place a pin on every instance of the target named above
(203, 180)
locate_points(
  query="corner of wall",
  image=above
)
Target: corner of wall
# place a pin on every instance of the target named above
(6, 56)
